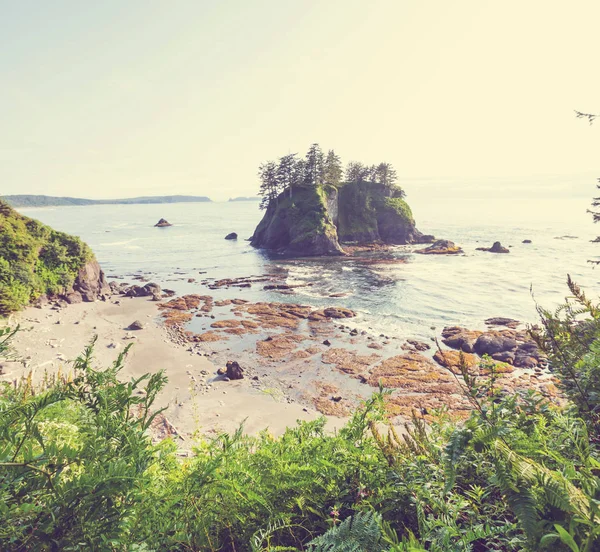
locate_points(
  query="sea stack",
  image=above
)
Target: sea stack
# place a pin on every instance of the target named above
(311, 221)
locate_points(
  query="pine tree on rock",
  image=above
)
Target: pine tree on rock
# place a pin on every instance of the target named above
(332, 173)
(286, 171)
(269, 185)
(313, 174)
(385, 174)
(355, 172)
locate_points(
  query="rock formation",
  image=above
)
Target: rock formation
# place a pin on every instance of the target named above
(496, 248)
(162, 223)
(91, 282)
(441, 247)
(314, 221)
(232, 236)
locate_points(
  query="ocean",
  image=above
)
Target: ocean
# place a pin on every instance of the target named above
(414, 299)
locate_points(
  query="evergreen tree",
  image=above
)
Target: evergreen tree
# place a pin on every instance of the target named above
(385, 174)
(269, 186)
(313, 174)
(332, 173)
(286, 171)
(355, 172)
(370, 174)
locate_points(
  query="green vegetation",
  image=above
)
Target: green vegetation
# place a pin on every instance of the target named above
(78, 470)
(35, 260)
(317, 170)
(400, 207)
(51, 201)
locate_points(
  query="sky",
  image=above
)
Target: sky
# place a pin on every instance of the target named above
(125, 98)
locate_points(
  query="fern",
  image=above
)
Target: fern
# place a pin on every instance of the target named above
(358, 533)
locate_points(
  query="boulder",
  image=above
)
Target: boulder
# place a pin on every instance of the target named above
(491, 343)
(135, 291)
(151, 289)
(441, 247)
(234, 371)
(526, 241)
(418, 345)
(162, 223)
(496, 248)
(505, 356)
(137, 325)
(501, 321)
(232, 236)
(73, 297)
(460, 338)
(91, 282)
(338, 312)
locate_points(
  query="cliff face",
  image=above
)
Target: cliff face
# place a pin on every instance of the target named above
(314, 222)
(37, 261)
(298, 224)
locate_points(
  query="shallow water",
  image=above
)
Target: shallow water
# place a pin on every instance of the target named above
(405, 300)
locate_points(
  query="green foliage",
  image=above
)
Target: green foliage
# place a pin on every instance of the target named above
(35, 260)
(401, 208)
(354, 534)
(571, 339)
(78, 471)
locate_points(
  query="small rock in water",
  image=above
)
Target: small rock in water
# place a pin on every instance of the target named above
(327, 342)
(232, 236)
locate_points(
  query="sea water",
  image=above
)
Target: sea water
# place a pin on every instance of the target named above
(413, 299)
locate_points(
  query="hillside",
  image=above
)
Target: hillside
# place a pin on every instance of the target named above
(52, 201)
(36, 260)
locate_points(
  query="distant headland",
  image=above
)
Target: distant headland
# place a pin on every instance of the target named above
(52, 201)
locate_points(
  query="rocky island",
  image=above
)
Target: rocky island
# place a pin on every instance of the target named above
(311, 211)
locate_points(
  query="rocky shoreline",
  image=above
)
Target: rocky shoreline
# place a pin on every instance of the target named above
(325, 358)
(322, 357)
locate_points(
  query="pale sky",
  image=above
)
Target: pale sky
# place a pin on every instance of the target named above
(128, 97)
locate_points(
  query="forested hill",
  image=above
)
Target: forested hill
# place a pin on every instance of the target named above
(51, 201)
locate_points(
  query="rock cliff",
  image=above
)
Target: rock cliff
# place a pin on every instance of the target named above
(315, 222)
(37, 261)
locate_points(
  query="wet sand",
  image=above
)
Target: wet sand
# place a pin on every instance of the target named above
(197, 399)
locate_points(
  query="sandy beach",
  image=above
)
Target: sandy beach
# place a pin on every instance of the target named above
(50, 338)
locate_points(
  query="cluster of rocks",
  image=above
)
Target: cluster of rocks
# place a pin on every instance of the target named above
(447, 247)
(90, 285)
(509, 345)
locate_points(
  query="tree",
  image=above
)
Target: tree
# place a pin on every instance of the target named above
(313, 174)
(269, 185)
(385, 174)
(332, 173)
(355, 172)
(285, 172)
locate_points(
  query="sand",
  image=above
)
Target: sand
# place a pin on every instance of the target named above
(49, 339)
